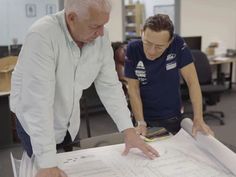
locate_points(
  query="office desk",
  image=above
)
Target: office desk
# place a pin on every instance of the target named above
(5, 120)
(219, 68)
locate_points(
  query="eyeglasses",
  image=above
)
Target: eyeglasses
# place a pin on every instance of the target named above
(150, 45)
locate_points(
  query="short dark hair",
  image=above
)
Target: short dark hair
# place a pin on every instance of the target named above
(159, 22)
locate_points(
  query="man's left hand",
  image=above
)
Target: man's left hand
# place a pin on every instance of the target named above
(132, 140)
(200, 125)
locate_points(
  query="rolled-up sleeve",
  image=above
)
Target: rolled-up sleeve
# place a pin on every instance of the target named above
(110, 90)
(37, 97)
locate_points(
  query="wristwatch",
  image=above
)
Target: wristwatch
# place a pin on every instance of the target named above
(141, 122)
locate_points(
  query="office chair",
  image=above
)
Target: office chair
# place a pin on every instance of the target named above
(210, 92)
(15, 49)
(90, 104)
(4, 52)
(119, 49)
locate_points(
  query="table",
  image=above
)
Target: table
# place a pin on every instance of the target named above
(5, 120)
(224, 60)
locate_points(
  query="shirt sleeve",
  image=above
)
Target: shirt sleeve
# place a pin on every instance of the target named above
(109, 88)
(130, 63)
(185, 53)
(37, 97)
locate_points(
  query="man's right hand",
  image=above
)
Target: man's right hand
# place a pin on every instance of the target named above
(51, 172)
(132, 140)
(141, 130)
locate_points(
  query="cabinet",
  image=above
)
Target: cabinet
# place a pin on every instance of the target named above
(134, 18)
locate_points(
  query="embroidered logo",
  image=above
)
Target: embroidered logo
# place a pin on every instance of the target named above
(171, 56)
(140, 65)
(171, 65)
(141, 73)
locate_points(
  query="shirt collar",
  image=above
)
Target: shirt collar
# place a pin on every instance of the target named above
(62, 21)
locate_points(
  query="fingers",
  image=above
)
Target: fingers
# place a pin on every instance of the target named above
(126, 151)
(49, 172)
(194, 132)
(209, 131)
(149, 151)
(205, 129)
(212, 133)
(63, 174)
(144, 132)
(141, 130)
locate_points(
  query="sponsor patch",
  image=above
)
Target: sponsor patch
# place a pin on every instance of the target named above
(170, 66)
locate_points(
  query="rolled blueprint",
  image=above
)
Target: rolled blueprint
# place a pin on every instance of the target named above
(223, 154)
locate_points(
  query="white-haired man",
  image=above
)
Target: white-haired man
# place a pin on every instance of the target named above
(61, 56)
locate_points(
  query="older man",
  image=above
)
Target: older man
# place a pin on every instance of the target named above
(61, 56)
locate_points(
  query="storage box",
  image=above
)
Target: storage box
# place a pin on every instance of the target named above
(7, 65)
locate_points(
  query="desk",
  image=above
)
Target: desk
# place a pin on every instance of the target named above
(5, 120)
(219, 63)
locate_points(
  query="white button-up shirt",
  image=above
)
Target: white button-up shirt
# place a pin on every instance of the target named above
(48, 80)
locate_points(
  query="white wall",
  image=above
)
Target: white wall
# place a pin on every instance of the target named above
(214, 20)
(13, 19)
(14, 23)
(115, 24)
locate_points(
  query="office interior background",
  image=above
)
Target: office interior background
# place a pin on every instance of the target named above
(212, 20)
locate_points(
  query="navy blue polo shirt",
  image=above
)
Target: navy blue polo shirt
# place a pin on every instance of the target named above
(159, 79)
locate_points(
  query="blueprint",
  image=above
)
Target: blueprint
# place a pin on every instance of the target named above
(180, 155)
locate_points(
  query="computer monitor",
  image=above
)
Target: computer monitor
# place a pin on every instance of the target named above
(15, 49)
(4, 51)
(194, 42)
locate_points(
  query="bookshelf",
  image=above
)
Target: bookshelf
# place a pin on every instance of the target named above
(134, 18)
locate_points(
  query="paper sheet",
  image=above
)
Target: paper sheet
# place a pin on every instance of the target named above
(218, 150)
(180, 155)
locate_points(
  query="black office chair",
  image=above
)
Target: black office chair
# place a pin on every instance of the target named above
(210, 91)
(90, 104)
(4, 51)
(15, 49)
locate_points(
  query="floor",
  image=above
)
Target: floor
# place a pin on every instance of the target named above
(102, 124)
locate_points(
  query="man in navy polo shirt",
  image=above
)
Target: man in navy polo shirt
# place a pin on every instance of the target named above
(153, 67)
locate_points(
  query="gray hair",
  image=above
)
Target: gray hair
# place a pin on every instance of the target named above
(81, 7)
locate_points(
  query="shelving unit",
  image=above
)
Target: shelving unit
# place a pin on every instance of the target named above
(134, 18)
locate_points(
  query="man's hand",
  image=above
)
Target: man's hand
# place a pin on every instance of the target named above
(132, 140)
(200, 125)
(141, 130)
(50, 172)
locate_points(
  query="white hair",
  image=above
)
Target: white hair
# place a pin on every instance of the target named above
(81, 7)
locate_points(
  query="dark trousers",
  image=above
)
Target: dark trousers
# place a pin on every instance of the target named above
(66, 145)
(172, 124)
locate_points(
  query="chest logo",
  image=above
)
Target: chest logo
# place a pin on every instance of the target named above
(140, 65)
(171, 65)
(141, 72)
(170, 56)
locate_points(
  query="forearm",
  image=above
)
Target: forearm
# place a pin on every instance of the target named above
(136, 105)
(196, 100)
